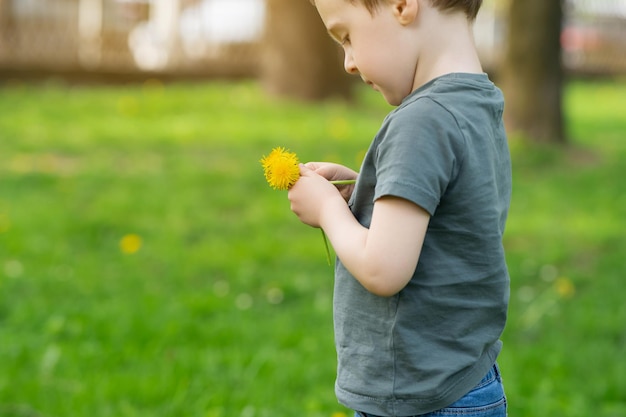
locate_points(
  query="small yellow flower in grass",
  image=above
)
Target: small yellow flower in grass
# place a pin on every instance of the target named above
(130, 243)
(281, 168)
(565, 287)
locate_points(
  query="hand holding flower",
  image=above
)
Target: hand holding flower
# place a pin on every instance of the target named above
(311, 195)
(340, 175)
(282, 171)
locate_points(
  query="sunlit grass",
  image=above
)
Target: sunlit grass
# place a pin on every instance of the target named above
(565, 343)
(147, 269)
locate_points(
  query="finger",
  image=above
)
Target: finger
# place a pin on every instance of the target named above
(304, 170)
(323, 169)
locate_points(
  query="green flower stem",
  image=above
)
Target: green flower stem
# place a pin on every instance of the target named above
(326, 246)
(343, 182)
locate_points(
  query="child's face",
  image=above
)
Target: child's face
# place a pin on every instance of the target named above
(377, 46)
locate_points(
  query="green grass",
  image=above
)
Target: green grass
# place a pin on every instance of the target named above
(225, 309)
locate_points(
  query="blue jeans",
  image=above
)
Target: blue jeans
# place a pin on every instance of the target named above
(485, 400)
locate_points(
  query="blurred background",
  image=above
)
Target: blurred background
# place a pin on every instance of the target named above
(523, 46)
(146, 268)
(223, 37)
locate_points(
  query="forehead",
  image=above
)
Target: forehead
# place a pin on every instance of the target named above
(334, 12)
(328, 10)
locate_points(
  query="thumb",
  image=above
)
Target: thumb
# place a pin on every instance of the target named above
(314, 166)
(304, 170)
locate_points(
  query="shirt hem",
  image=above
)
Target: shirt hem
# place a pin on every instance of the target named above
(392, 406)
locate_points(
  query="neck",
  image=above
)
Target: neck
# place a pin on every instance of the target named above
(447, 46)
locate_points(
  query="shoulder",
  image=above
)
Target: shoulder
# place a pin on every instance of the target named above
(423, 123)
(423, 108)
(452, 108)
(452, 95)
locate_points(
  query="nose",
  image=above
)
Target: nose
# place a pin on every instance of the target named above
(348, 63)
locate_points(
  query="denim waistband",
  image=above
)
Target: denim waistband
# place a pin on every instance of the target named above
(493, 374)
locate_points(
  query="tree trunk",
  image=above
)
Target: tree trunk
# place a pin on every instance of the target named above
(299, 59)
(532, 75)
(6, 29)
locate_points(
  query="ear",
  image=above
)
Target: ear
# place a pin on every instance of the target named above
(405, 11)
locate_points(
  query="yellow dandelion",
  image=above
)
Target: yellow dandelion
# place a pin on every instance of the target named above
(130, 243)
(281, 168)
(565, 287)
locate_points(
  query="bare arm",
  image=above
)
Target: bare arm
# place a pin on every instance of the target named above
(383, 257)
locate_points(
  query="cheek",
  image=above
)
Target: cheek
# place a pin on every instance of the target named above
(370, 62)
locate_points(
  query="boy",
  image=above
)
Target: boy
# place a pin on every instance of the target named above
(421, 284)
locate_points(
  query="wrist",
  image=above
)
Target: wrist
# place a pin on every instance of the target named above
(332, 211)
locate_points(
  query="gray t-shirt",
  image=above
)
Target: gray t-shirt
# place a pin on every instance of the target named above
(445, 149)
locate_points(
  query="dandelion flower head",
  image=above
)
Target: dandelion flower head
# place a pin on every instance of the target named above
(281, 168)
(130, 243)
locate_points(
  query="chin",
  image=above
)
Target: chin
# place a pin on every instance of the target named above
(394, 101)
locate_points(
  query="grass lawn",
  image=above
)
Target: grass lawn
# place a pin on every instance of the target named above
(146, 268)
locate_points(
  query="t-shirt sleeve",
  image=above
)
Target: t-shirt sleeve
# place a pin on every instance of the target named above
(420, 149)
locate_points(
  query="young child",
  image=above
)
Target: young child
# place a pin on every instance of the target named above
(421, 284)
